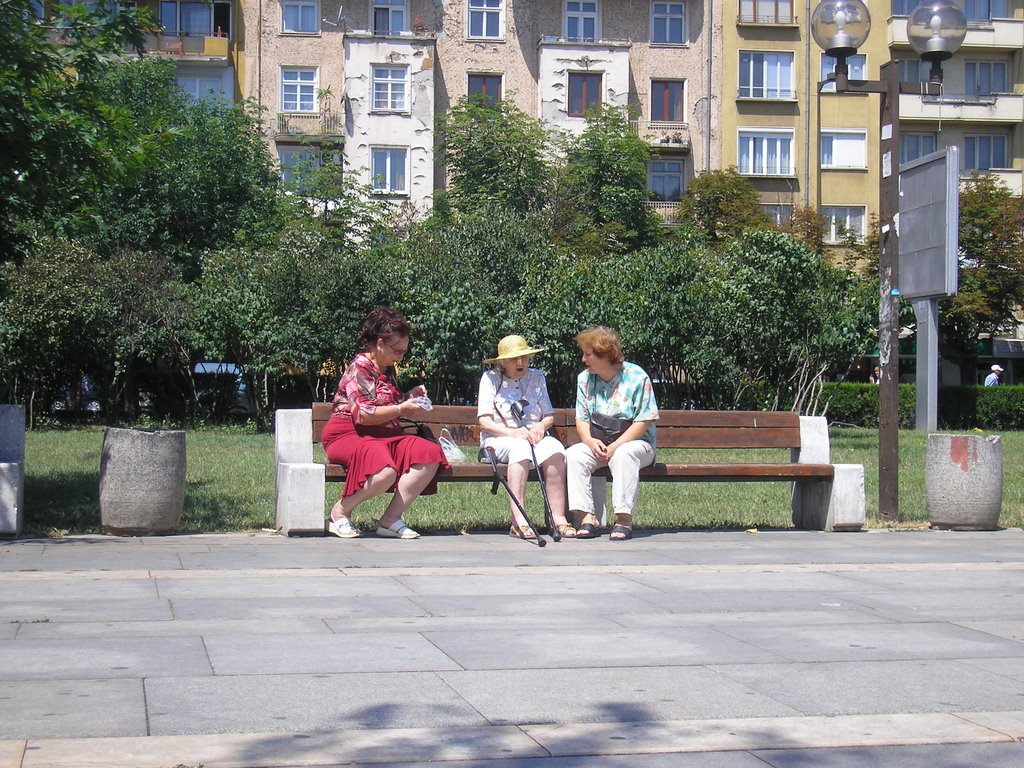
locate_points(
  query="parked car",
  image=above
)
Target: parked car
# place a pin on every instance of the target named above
(222, 391)
(84, 396)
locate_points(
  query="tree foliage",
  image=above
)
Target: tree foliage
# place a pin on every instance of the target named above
(495, 153)
(991, 279)
(722, 204)
(57, 132)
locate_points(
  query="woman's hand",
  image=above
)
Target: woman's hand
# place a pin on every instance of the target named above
(535, 434)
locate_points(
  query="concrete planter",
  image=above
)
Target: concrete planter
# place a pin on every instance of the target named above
(142, 481)
(963, 481)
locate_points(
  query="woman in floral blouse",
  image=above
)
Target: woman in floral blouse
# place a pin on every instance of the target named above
(365, 436)
(512, 380)
(610, 389)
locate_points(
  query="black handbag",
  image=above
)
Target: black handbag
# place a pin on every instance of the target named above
(608, 429)
(411, 427)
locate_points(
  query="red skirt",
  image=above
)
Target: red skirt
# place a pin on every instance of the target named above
(365, 451)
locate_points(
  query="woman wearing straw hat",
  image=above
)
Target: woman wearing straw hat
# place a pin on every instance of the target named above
(512, 380)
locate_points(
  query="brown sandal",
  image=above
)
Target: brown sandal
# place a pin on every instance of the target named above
(522, 532)
(566, 530)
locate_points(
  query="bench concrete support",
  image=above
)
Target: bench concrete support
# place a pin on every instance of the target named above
(12, 469)
(826, 505)
(301, 482)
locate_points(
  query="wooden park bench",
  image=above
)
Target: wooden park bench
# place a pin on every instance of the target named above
(825, 496)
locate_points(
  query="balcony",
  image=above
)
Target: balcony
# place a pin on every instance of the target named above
(969, 108)
(668, 210)
(327, 124)
(994, 34)
(193, 46)
(766, 18)
(1013, 179)
(663, 134)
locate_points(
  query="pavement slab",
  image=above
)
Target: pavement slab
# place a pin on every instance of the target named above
(718, 649)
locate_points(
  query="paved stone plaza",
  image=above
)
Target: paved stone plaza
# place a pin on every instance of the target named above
(711, 649)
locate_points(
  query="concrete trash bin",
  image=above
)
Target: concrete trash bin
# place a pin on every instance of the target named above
(142, 481)
(963, 481)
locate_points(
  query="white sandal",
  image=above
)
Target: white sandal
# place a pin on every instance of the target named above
(343, 529)
(397, 530)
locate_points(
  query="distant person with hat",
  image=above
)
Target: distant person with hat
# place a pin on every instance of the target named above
(992, 380)
(512, 380)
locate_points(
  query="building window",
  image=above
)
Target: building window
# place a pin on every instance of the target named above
(766, 153)
(388, 170)
(298, 90)
(984, 78)
(843, 221)
(196, 19)
(296, 161)
(668, 23)
(389, 89)
(667, 101)
(766, 75)
(584, 92)
(389, 17)
(199, 87)
(581, 21)
(780, 213)
(914, 70)
(983, 11)
(38, 10)
(857, 65)
(486, 19)
(843, 149)
(665, 179)
(487, 87)
(300, 16)
(766, 11)
(915, 145)
(984, 152)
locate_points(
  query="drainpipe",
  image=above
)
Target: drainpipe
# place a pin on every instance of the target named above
(710, 60)
(259, 58)
(807, 109)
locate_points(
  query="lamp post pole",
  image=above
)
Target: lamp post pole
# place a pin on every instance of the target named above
(889, 300)
(936, 29)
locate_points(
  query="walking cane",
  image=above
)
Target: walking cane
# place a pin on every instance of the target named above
(517, 413)
(500, 478)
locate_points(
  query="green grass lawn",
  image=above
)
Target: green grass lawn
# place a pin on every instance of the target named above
(230, 487)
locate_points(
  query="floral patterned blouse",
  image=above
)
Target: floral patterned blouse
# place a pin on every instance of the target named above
(629, 395)
(363, 388)
(498, 392)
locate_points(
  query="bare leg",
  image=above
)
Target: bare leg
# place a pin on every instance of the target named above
(554, 479)
(375, 485)
(517, 475)
(409, 487)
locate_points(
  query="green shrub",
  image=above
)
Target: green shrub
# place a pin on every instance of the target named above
(960, 407)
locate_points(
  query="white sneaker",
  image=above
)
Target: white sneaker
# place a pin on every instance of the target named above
(397, 530)
(343, 529)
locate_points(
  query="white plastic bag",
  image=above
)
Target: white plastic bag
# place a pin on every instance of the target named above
(452, 452)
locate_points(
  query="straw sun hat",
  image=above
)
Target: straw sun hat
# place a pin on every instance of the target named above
(513, 346)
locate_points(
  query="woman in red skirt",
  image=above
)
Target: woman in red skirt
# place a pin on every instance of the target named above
(364, 434)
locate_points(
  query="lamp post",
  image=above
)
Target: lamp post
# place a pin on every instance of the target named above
(936, 30)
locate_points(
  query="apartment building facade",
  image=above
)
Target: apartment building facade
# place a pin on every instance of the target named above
(805, 146)
(367, 80)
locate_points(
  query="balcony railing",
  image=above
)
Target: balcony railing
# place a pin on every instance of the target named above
(769, 17)
(212, 46)
(663, 133)
(968, 107)
(668, 210)
(992, 34)
(328, 123)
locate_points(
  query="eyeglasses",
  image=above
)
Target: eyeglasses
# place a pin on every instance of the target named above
(400, 351)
